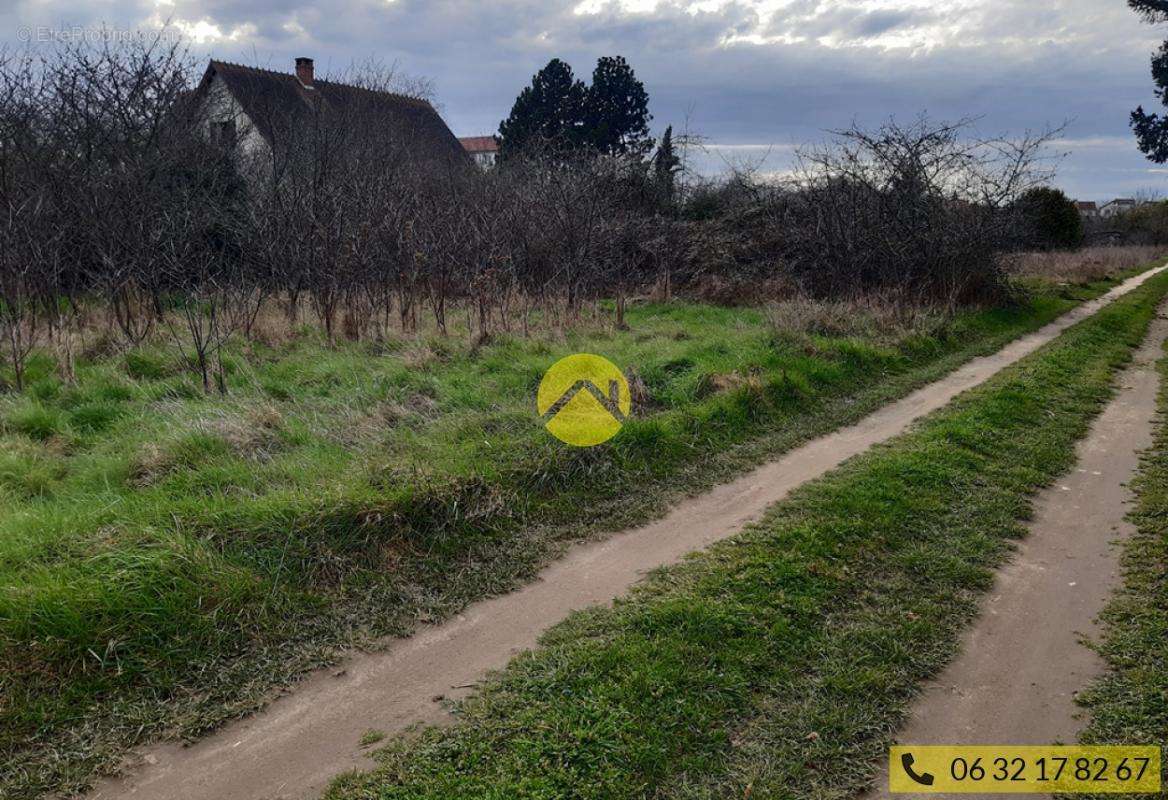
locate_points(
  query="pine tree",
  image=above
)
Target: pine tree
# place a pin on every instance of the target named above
(611, 116)
(550, 110)
(617, 115)
(1152, 129)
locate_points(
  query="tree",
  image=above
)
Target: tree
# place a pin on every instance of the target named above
(666, 164)
(616, 118)
(611, 116)
(1151, 130)
(551, 110)
(1150, 10)
(1052, 220)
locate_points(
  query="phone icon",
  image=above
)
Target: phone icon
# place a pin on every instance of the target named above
(906, 761)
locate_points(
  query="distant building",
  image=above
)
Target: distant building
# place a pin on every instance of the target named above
(1087, 209)
(260, 110)
(1117, 207)
(483, 149)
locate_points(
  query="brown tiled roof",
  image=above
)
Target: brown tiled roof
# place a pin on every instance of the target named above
(1086, 205)
(479, 144)
(271, 99)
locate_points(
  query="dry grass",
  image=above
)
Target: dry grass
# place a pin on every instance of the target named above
(870, 318)
(1088, 265)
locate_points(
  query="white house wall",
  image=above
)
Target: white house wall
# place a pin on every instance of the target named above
(221, 106)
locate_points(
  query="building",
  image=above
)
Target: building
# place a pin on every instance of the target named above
(483, 149)
(1116, 207)
(263, 111)
(1088, 210)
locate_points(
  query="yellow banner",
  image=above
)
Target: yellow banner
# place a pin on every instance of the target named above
(1021, 769)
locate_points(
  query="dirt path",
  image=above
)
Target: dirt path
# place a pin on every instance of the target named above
(1023, 661)
(295, 747)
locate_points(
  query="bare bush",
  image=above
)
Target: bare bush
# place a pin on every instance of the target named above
(926, 209)
(111, 189)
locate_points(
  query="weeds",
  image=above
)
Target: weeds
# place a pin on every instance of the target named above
(1081, 266)
(167, 571)
(778, 663)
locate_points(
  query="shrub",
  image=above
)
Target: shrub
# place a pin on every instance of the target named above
(1051, 219)
(1146, 224)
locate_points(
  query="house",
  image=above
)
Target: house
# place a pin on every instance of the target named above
(1088, 210)
(262, 110)
(1116, 207)
(483, 149)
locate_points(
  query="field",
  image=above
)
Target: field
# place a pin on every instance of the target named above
(780, 663)
(168, 557)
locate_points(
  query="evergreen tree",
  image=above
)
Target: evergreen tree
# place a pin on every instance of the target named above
(666, 164)
(550, 110)
(1152, 129)
(617, 114)
(1053, 221)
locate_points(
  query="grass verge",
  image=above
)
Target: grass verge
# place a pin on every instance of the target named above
(166, 559)
(778, 663)
(1129, 704)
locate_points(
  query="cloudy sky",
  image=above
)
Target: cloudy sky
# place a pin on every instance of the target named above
(754, 77)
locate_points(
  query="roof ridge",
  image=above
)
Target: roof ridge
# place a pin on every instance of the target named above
(250, 68)
(421, 101)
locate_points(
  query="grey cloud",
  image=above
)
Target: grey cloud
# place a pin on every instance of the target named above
(875, 23)
(817, 18)
(1016, 65)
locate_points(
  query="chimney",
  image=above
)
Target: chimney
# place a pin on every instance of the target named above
(304, 71)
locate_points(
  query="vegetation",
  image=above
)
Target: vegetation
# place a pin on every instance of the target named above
(551, 109)
(1145, 224)
(1052, 218)
(1088, 265)
(1152, 129)
(113, 191)
(255, 407)
(778, 663)
(610, 117)
(1129, 704)
(166, 556)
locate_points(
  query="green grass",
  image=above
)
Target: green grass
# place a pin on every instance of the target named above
(166, 558)
(1129, 705)
(778, 663)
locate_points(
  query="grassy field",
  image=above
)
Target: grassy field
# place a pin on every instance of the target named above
(167, 558)
(1129, 705)
(778, 663)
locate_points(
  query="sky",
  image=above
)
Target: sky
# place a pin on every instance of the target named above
(754, 78)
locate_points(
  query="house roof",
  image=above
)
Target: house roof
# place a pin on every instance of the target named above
(271, 99)
(1120, 202)
(479, 144)
(1086, 205)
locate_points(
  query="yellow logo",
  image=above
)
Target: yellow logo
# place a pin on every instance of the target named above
(583, 400)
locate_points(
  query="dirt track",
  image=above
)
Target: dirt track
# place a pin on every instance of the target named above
(1023, 661)
(294, 748)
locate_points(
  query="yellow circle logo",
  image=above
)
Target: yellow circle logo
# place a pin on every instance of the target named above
(583, 400)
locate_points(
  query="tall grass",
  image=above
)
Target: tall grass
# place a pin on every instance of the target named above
(1082, 266)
